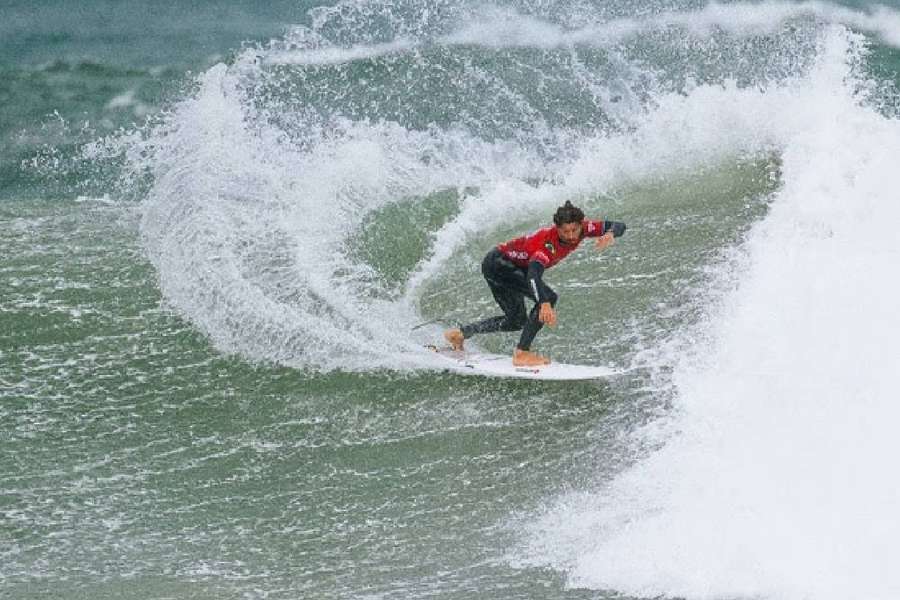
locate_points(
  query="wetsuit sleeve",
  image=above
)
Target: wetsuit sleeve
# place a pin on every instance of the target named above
(536, 282)
(617, 227)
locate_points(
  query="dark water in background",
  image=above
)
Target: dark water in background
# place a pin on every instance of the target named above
(221, 222)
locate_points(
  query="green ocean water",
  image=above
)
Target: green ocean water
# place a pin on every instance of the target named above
(182, 411)
(140, 461)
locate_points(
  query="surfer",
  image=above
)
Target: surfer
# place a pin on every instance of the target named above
(514, 270)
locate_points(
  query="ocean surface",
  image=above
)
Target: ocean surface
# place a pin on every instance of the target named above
(222, 222)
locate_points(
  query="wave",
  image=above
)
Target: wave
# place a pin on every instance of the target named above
(508, 29)
(252, 234)
(87, 68)
(263, 177)
(505, 28)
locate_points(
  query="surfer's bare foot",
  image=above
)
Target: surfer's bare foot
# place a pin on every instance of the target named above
(526, 358)
(455, 338)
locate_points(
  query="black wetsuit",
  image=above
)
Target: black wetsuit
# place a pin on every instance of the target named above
(514, 271)
(510, 284)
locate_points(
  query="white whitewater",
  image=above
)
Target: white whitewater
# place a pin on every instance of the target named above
(776, 476)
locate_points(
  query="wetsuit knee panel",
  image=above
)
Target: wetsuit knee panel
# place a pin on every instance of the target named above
(517, 321)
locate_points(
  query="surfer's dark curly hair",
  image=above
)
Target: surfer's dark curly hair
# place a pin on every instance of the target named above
(568, 213)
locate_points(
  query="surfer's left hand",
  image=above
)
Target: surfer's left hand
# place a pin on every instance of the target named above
(605, 241)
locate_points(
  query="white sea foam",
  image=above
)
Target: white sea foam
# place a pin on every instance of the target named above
(128, 100)
(775, 478)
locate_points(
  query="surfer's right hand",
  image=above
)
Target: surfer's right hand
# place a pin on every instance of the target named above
(547, 315)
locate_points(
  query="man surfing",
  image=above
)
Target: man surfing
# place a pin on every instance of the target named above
(514, 270)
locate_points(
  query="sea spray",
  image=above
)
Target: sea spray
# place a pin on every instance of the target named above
(261, 179)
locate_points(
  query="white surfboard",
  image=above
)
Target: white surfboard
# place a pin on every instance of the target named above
(496, 365)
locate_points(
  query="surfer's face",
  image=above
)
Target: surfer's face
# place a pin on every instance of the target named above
(569, 233)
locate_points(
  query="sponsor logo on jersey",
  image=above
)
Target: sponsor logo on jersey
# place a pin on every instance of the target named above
(550, 247)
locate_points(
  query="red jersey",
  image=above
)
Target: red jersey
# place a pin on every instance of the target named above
(544, 246)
